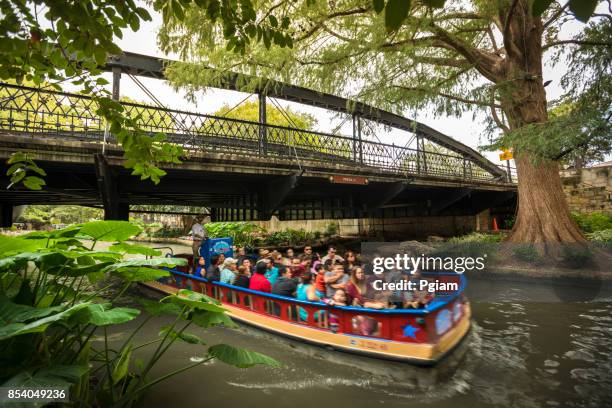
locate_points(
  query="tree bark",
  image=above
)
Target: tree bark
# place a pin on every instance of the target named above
(543, 214)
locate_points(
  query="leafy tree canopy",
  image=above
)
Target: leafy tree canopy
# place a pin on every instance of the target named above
(249, 110)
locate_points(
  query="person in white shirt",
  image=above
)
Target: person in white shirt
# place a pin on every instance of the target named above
(198, 232)
(331, 254)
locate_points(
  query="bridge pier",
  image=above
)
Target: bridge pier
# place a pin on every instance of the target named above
(6, 215)
(108, 184)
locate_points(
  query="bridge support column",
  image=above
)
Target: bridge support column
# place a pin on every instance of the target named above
(109, 191)
(6, 215)
(274, 194)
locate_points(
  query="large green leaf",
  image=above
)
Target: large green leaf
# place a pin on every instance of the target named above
(140, 273)
(109, 231)
(193, 300)
(121, 367)
(134, 249)
(13, 245)
(10, 284)
(539, 6)
(206, 319)
(583, 9)
(396, 12)
(100, 315)
(158, 308)
(15, 313)
(184, 336)
(239, 357)
(160, 262)
(40, 325)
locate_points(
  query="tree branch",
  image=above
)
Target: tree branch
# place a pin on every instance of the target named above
(511, 49)
(442, 94)
(577, 42)
(556, 15)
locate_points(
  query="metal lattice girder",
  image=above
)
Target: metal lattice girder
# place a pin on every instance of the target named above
(144, 65)
(43, 113)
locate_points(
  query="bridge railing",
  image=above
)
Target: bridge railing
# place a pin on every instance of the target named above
(46, 113)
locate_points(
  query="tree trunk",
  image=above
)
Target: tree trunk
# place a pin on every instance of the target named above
(543, 214)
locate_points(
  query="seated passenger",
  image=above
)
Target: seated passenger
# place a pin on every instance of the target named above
(306, 291)
(248, 264)
(350, 261)
(297, 269)
(338, 298)
(258, 280)
(357, 290)
(200, 267)
(309, 253)
(319, 280)
(243, 277)
(335, 279)
(331, 254)
(228, 271)
(290, 254)
(213, 273)
(241, 255)
(285, 285)
(271, 271)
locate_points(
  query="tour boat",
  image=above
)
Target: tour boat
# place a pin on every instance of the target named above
(418, 336)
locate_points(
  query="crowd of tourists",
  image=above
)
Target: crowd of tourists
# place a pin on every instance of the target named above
(332, 278)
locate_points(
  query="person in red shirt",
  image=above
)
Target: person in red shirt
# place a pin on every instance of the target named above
(258, 280)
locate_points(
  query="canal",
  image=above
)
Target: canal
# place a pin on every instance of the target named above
(527, 348)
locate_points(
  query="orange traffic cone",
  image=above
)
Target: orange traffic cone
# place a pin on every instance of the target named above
(495, 227)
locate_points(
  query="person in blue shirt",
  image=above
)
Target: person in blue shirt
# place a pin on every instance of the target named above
(200, 267)
(228, 271)
(271, 271)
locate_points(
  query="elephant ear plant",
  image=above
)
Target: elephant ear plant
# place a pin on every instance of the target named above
(55, 315)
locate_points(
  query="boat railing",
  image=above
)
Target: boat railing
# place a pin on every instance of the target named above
(438, 301)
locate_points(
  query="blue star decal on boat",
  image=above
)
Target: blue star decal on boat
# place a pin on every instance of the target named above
(410, 331)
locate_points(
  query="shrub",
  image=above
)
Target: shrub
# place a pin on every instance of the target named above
(593, 222)
(331, 229)
(527, 253)
(576, 256)
(476, 237)
(602, 236)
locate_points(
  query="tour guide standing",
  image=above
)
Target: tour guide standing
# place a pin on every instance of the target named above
(199, 234)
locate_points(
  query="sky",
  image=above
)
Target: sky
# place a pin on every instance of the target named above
(464, 129)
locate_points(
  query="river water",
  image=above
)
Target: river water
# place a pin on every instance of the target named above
(526, 349)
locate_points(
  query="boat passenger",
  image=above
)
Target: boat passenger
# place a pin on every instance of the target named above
(285, 285)
(319, 280)
(306, 291)
(338, 298)
(271, 271)
(228, 271)
(200, 267)
(335, 279)
(258, 280)
(331, 254)
(243, 277)
(297, 269)
(309, 253)
(241, 255)
(290, 253)
(350, 261)
(213, 273)
(248, 264)
(358, 288)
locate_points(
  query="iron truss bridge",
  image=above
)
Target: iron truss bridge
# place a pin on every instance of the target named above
(50, 115)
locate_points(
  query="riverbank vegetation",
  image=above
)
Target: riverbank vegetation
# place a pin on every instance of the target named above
(60, 297)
